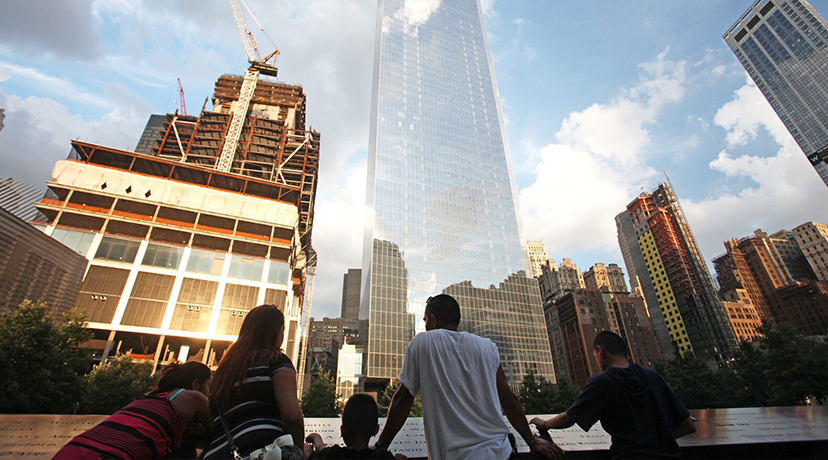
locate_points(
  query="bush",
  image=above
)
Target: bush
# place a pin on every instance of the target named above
(116, 383)
(321, 399)
(538, 396)
(384, 400)
(41, 362)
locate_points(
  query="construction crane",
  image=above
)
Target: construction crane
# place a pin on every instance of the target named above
(181, 95)
(266, 66)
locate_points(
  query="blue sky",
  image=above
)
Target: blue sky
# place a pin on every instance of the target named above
(599, 98)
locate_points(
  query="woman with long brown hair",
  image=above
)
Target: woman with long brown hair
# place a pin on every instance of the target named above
(254, 389)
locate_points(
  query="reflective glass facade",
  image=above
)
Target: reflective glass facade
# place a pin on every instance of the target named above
(782, 45)
(442, 208)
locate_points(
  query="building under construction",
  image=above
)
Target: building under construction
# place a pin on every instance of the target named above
(212, 219)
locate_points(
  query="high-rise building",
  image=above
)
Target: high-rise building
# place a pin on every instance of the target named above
(443, 211)
(787, 249)
(743, 317)
(756, 265)
(584, 313)
(804, 304)
(812, 238)
(663, 259)
(611, 277)
(19, 198)
(635, 327)
(181, 247)
(36, 267)
(351, 285)
(556, 282)
(758, 271)
(782, 45)
(350, 371)
(153, 133)
(537, 256)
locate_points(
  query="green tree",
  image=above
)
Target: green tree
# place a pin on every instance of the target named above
(695, 383)
(116, 383)
(797, 366)
(536, 395)
(321, 399)
(745, 377)
(385, 397)
(565, 394)
(41, 362)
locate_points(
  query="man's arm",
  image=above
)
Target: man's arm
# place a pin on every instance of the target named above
(514, 412)
(397, 414)
(557, 422)
(316, 440)
(685, 427)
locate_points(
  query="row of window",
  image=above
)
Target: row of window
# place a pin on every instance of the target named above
(163, 256)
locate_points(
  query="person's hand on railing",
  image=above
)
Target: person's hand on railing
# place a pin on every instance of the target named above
(548, 449)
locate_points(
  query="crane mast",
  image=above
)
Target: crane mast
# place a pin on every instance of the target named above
(265, 66)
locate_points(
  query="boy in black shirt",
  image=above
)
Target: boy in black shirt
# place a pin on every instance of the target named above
(635, 405)
(359, 423)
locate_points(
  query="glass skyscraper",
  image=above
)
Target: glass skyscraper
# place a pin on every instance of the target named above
(782, 45)
(442, 202)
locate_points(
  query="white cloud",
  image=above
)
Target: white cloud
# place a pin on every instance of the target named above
(39, 130)
(749, 111)
(55, 85)
(65, 30)
(326, 46)
(783, 190)
(599, 162)
(337, 237)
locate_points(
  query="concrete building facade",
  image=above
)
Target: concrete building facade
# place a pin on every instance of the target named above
(351, 286)
(537, 256)
(610, 276)
(812, 238)
(758, 271)
(556, 282)
(745, 320)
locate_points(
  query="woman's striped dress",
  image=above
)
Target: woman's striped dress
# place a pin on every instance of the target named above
(148, 427)
(253, 416)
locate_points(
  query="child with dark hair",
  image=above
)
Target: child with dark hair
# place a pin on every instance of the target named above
(153, 425)
(359, 424)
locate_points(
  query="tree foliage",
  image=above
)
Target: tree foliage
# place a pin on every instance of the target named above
(321, 399)
(539, 396)
(384, 400)
(783, 368)
(116, 383)
(41, 362)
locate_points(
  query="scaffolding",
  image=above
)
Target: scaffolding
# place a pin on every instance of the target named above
(272, 143)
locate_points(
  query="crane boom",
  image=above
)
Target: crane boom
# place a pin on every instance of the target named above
(181, 95)
(241, 25)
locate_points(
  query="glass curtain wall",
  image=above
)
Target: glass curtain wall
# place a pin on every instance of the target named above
(442, 207)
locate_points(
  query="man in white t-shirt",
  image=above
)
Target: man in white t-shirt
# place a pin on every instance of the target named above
(463, 390)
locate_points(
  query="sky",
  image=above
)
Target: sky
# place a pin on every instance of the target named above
(599, 98)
